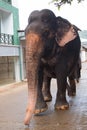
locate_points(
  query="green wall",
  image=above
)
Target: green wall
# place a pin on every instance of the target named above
(15, 12)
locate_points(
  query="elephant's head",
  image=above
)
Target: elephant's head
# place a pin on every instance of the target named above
(40, 33)
(42, 23)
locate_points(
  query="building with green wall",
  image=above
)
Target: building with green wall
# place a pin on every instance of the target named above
(9, 42)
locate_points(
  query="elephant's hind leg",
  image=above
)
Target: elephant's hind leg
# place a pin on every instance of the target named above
(46, 89)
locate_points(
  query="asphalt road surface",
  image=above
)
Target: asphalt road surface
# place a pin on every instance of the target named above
(13, 101)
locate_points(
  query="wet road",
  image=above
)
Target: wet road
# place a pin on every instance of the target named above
(13, 102)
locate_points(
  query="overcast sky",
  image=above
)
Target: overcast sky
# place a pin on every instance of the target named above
(75, 13)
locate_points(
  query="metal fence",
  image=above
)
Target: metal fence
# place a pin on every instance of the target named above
(6, 39)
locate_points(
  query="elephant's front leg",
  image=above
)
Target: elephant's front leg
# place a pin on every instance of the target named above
(61, 102)
(41, 105)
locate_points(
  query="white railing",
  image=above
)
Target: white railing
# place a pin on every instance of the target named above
(6, 39)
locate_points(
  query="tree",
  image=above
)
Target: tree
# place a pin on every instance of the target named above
(59, 3)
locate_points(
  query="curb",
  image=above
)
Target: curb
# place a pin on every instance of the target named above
(12, 86)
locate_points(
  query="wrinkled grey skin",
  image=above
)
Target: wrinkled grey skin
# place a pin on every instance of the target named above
(46, 59)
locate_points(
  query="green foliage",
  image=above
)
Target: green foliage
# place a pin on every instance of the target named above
(59, 3)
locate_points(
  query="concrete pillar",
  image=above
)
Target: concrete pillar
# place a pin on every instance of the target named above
(21, 62)
(17, 69)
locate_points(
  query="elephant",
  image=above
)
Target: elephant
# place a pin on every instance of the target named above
(52, 51)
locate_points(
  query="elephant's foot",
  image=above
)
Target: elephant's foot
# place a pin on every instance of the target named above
(47, 98)
(61, 105)
(38, 111)
(42, 107)
(71, 91)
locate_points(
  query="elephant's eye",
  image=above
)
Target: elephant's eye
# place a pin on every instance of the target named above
(44, 20)
(46, 33)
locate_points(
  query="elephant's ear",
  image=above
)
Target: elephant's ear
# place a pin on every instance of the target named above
(76, 28)
(68, 36)
(66, 31)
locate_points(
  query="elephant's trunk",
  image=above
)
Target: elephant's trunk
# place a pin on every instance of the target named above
(33, 52)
